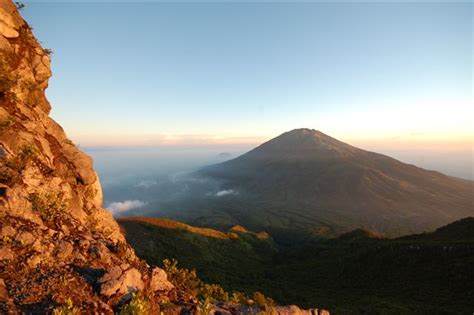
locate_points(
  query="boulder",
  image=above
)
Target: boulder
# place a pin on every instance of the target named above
(7, 231)
(159, 280)
(25, 238)
(116, 281)
(3, 291)
(64, 250)
(6, 254)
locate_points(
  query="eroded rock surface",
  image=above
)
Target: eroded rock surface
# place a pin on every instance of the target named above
(60, 250)
(58, 245)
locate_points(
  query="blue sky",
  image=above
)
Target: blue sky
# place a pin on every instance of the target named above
(154, 73)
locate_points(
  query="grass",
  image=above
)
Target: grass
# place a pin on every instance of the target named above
(49, 205)
(67, 309)
(139, 305)
(170, 224)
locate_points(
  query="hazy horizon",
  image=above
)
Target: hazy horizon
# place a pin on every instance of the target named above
(180, 82)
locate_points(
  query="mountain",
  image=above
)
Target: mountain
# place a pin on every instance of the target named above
(61, 252)
(358, 272)
(304, 180)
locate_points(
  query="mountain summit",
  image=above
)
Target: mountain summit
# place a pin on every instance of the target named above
(306, 180)
(302, 144)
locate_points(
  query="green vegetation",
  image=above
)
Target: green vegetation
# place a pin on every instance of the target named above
(19, 5)
(7, 122)
(236, 263)
(139, 305)
(11, 167)
(70, 142)
(356, 273)
(67, 309)
(26, 153)
(8, 78)
(188, 281)
(49, 205)
(47, 51)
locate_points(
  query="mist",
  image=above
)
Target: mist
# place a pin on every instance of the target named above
(156, 180)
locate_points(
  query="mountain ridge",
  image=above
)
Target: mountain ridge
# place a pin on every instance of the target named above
(335, 185)
(359, 272)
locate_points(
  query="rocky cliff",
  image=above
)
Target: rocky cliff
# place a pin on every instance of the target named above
(59, 247)
(61, 252)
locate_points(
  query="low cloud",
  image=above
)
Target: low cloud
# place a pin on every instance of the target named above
(224, 192)
(119, 207)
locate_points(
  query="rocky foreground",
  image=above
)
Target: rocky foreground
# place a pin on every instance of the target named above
(61, 252)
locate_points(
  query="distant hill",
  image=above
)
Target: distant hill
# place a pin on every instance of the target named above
(358, 272)
(235, 258)
(459, 231)
(224, 156)
(304, 180)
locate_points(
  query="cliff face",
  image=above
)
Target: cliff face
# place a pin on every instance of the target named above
(58, 246)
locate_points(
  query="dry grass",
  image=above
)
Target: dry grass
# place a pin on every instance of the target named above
(170, 224)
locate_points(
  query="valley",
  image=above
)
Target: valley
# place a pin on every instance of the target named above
(359, 272)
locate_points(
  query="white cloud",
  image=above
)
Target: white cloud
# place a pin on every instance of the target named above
(123, 206)
(225, 193)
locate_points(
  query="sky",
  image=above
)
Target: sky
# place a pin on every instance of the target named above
(378, 75)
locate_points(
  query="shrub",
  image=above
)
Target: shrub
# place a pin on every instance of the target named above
(213, 292)
(8, 79)
(28, 152)
(139, 305)
(47, 51)
(261, 299)
(19, 5)
(49, 205)
(69, 141)
(181, 278)
(7, 122)
(187, 280)
(239, 298)
(66, 309)
(205, 306)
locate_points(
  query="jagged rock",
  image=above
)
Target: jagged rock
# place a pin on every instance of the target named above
(64, 250)
(25, 238)
(6, 253)
(7, 231)
(295, 310)
(116, 281)
(291, 310)
(34, 261)
(159, 280)
(9, 22)
(3, 291)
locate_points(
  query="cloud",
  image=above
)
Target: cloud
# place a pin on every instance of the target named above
(124, 206)
(224, 192)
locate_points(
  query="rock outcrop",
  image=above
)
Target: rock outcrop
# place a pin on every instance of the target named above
(61, 252)
(58, 245)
